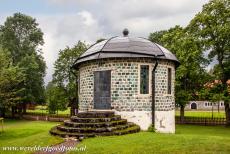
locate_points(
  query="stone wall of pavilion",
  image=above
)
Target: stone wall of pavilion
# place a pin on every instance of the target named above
(125, 76)
(125, 94)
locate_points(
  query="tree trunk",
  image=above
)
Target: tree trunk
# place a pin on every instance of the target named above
(19, 108)
(24, 108)
(224, 79)
(2, 112)
(226, 103)
(182, 114)
(13, 111)
(227, 113)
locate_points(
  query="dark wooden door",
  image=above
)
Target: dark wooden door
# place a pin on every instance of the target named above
(102, 90)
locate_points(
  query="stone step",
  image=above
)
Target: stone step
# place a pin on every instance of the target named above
(94, 130)
(94, 125)
(132, 129)
(96, 114)
(95, 120)
(91, 124)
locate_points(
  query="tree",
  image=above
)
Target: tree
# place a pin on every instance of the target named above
(56, 98)
(33, 67)
(182, 98)
(212, 26)
(11, 78)
(21, 37)
(65, 77)
(157, 36)
(190, 75)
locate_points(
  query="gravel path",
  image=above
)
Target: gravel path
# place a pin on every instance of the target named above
(60, 148)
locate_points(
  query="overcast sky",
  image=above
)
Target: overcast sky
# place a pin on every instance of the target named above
(64, 22)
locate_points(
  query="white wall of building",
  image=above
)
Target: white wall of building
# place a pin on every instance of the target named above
(164, 120)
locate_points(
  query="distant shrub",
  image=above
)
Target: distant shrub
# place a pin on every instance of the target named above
(151, 128)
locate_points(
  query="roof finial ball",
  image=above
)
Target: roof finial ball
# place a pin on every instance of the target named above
(125, 32)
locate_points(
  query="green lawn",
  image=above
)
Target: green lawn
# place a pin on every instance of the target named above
(43, 110)
(216, 114)
(26, 133)
(188, 139)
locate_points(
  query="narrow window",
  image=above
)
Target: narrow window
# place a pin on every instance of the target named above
(169, 80)
(144, 79)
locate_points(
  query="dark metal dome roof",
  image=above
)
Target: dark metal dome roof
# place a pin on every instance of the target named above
(126, 47)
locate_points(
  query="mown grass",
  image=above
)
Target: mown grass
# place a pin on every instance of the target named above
(21, 133)
(216, 114)
(188, 139)
(43, 110)
(207, 114)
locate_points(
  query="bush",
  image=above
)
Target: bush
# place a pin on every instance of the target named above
(151, 128)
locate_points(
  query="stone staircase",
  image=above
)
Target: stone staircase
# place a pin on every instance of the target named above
(94, 123)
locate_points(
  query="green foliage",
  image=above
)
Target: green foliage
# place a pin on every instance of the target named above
(212, 26)
(20, 39)
(63, 75)
(157, 36)
(204, 94)
(182, 97)
(11, 78)
(34, 69)
(151, 128)
(20, 35)
(56, 98)
(215, 92)
(63, 64)
(190, 75)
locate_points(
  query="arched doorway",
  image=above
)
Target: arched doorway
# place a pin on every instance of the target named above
(193, 106)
